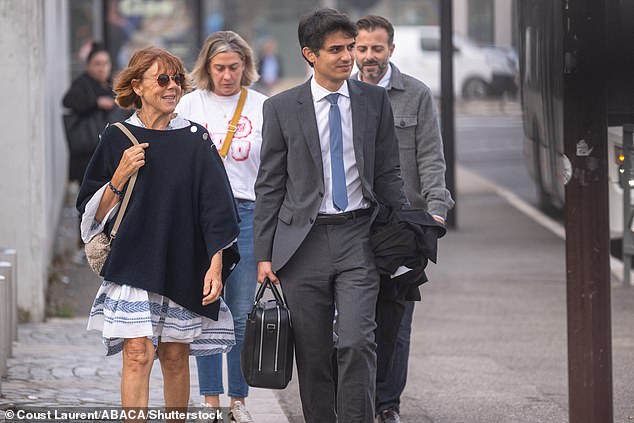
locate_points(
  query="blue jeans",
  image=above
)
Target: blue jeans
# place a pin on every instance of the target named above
(239, 292)
(388, 391)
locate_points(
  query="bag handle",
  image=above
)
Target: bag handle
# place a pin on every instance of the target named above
(233, 125)
(128, 191)
(276, 293)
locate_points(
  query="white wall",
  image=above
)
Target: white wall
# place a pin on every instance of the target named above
(56, 25)
(460, 17)
(503, 22)
(33, 152)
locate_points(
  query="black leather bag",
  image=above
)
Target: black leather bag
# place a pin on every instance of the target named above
(82, 131)
(267, 350)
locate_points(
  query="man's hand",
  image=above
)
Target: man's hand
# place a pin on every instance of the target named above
(264, 271)
(105, 103)
(439, 219)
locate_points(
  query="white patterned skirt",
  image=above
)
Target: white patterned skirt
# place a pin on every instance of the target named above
(122, 311)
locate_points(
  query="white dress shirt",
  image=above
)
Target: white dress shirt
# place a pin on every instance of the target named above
(385, 81)
(353, 181)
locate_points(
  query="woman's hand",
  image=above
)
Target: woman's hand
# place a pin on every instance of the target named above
(212, 286)
(131, 160)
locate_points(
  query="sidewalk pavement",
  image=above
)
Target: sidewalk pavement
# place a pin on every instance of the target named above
(58, 363)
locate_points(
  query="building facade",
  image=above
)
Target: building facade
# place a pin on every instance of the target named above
(34, 74)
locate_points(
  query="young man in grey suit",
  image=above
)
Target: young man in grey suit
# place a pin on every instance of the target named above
(422, 166)
(329, 155)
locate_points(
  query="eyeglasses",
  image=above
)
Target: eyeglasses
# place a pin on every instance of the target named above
(164, 79)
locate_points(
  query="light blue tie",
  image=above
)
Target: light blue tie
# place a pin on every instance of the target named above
(339, 192)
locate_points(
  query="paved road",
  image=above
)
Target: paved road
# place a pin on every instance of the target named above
(491, 146)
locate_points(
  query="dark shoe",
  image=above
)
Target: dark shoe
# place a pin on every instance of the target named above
(388, 416)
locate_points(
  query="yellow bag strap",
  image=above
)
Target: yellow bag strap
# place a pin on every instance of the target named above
(233, 125)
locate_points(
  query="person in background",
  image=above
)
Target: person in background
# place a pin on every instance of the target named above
(90, 94)
(224, 70)
(160, 295)
(329, 155)
(422, 167)
(269, 67)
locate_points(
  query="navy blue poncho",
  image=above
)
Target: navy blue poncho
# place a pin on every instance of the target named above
(180, 214)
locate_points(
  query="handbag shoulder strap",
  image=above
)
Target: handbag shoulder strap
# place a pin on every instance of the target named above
(128, 192)
(233, 126)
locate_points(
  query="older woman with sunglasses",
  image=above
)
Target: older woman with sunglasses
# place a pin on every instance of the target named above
(163, 277)
(224, 70)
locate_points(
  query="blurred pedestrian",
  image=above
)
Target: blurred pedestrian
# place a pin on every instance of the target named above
(224, 70)
(269, 67)
(329, 154)
(90, 97)
(422, 167)
(163, 276)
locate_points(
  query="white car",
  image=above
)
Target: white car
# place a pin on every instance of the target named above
(478, 71)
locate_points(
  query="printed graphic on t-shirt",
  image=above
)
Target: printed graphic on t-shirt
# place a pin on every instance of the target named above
(244, 127)
(240, 150)
(240, 147)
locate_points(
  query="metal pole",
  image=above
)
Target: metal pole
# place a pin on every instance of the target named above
(447, 112)
(587, 223)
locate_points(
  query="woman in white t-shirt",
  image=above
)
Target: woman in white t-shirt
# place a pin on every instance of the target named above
(224, 67)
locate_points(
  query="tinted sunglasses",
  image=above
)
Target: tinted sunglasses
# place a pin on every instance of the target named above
(164, 79)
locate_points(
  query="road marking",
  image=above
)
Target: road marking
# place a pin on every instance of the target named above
(616, 265)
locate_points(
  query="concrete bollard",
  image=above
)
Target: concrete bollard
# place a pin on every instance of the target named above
(6, 270)
(11, 255)
(5, 330)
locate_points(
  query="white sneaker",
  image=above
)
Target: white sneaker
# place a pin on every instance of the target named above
(204, 405)
(240, 414)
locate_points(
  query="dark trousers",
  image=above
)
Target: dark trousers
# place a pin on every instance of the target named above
(388, 391)
(334, 265)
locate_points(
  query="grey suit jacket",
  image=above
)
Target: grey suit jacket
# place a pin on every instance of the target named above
(290, 185)
(420, 143)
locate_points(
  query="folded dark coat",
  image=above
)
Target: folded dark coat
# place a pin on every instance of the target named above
(404, 238)
(180, 214)
(401, 238)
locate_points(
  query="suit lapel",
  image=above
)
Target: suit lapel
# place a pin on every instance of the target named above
(359, 106)
(308, 123)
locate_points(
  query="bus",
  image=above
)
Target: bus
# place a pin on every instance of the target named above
(541, 57)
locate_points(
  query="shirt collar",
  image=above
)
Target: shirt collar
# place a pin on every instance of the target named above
(385, 81)
(319, 92)
(177, 122)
